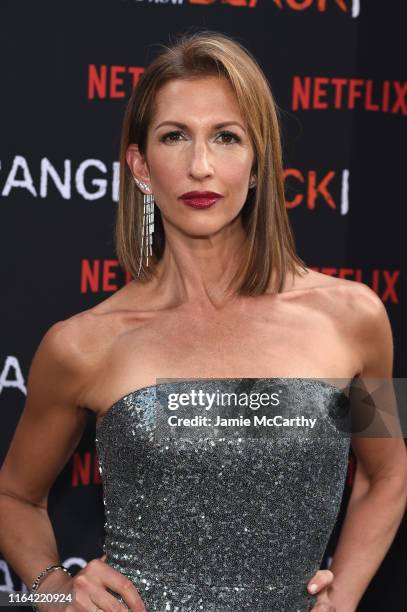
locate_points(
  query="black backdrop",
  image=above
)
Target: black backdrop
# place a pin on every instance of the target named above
(337, 72)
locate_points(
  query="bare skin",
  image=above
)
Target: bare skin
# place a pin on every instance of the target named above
(184, 326)
(296, 333)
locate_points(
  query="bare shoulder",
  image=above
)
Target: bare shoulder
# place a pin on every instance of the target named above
(360, 316)
(347, 294)
(64, 353)
(371, 331)
(74, 348)
(82, 342)
(85, 333)
(352, 304)
(72, 339)
(362, 306)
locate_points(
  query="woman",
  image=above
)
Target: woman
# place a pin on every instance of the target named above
(218, 293)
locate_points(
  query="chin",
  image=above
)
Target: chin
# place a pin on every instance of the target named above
(205, 227)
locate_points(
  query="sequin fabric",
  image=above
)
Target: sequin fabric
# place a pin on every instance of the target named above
(222, 519)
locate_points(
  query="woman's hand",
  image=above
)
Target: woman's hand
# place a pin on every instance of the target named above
(89, 590)
(323, 579)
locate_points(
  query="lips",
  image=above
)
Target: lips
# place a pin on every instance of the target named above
(201, 194)
(200, 199)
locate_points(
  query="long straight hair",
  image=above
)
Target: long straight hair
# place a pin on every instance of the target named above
(269, 243)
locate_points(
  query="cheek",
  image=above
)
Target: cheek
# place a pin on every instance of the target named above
(236, 173)
(235, 161)
(162, 171)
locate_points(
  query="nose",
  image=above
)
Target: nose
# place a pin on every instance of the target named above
(200, 165)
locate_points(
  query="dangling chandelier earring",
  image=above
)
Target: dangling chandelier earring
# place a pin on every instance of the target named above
(148, 222)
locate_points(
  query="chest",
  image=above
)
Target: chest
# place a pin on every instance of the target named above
(239, 341)
(287, 339)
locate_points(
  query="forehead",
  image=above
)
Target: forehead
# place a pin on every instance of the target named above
(208, 98)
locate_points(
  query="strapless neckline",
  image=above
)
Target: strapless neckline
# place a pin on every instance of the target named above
(133, 393)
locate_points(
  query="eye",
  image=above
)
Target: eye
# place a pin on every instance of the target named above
(229, 135)
(169, 137)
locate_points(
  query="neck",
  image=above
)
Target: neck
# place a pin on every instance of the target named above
(199, 269)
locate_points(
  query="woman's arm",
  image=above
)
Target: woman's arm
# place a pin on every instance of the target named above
(378, 499)
(47, 434)
(49, 430)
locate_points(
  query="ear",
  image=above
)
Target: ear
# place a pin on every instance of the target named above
(138, 167)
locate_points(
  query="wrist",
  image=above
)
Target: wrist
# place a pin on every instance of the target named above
(55, 582)
(341, 600)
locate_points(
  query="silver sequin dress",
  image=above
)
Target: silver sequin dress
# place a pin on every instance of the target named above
(223, 518)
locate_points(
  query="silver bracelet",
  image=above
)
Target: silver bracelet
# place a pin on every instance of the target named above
(42, 575)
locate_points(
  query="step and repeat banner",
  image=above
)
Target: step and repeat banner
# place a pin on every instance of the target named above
(337, 71)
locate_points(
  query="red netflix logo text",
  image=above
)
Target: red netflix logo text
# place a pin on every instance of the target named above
(320, 93)
(112, 81)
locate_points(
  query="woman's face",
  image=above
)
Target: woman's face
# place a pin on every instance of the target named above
(197, 141)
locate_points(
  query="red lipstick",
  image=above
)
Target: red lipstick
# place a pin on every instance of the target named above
(200, 199)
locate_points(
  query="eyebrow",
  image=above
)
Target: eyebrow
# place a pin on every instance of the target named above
(183, 126)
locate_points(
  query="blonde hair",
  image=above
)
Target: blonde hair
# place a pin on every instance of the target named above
(269, 241)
